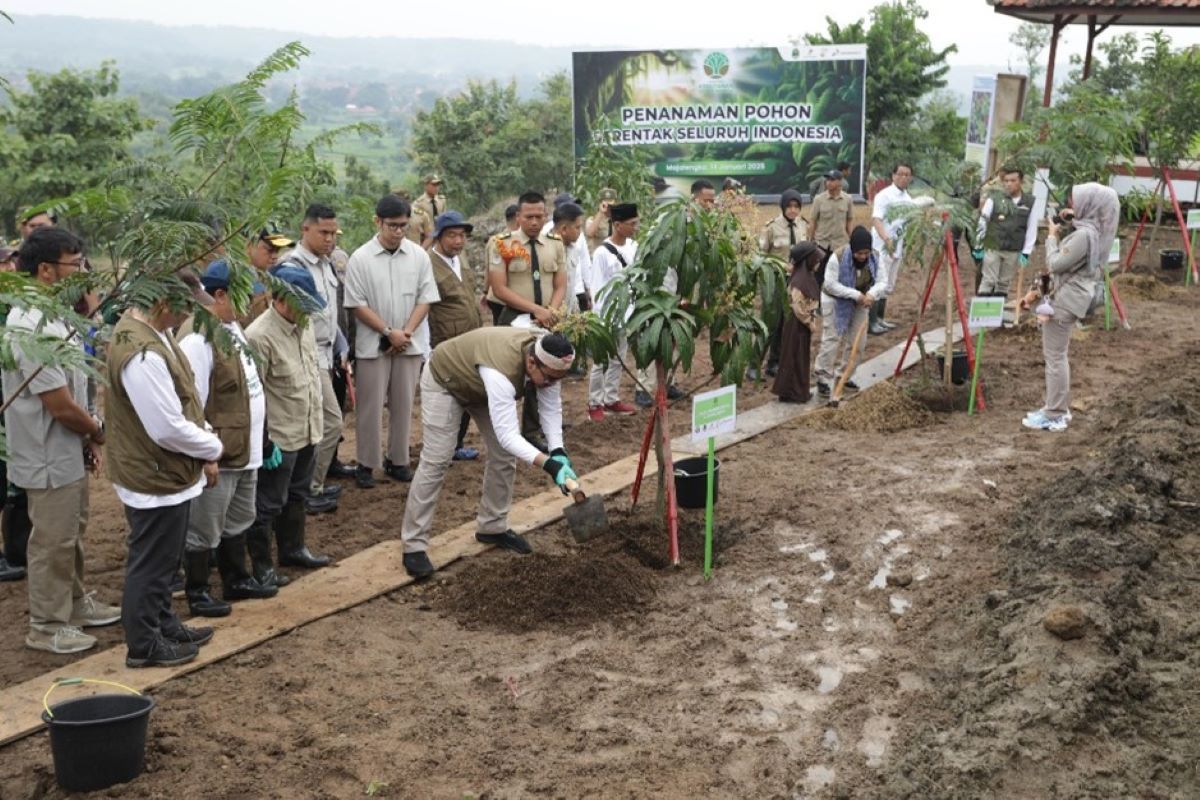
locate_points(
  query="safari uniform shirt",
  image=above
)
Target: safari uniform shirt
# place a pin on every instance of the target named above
(289, 374)
(324, 322)
(508, 253)
(829, 217)
(391, 285)
(603, 231)
(426, 204)
(420, 225)
(776, 239)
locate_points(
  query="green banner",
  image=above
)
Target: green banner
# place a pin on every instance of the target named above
(775, 118)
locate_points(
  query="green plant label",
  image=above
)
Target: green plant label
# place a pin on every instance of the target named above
(986, 312)
(714, 412)
(1193, 219)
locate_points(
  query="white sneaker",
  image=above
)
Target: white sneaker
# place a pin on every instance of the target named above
(87, 613)
(65, 639)
(1042, 412)
(1040, 422)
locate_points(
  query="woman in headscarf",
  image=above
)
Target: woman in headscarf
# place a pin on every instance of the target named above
(1074, 266)
(804, 298)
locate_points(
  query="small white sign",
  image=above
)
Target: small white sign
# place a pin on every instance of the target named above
(1114, 252)
(714, 413)
(986, 312)
(1193, 219)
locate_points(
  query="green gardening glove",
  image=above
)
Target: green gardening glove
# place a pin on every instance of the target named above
(558, 466)
(273, 458)
(977, 254)
(1023, 260)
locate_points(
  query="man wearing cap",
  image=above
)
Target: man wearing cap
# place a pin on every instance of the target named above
(318, 237)
(389, 287)
(457, 310)
(264, 248)
(231, 392)
(289, 369)
(613, 255)
(832, 212)
(431, 203)
(53, 442)
(599, 226)
(160, 457)
(854, 280)
(485, 372)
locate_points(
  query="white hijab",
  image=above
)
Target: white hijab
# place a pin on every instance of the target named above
(1097, 212)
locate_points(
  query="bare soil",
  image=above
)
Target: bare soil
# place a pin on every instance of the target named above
(874, 627)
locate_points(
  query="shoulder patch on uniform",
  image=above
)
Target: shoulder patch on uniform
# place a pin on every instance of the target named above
(505, 235)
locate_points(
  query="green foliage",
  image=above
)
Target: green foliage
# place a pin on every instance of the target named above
(63, 135)
(622, 169)
(902, 65)
(931, 140)
(493, 144)
(1165, 98)
(1031, 39)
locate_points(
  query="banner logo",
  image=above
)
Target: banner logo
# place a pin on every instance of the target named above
(716, 66)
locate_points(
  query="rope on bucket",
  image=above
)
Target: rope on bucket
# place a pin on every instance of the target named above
(75, 682)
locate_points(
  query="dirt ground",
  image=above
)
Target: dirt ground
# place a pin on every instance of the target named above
(876, 627)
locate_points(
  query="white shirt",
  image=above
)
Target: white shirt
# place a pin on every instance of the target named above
(1031, 226)
(391, 284)
(502, 408)
(151, 391)
(606, 266)
(888, 197)
(199, 353)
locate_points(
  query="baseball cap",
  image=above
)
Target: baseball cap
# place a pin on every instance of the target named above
(271, 234)
(216, 276)
(433, 177)
(299, 279)
(608, 194)
(833, 175)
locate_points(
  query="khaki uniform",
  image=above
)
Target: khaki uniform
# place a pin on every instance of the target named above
(776, 239)
(420, 225)
(603, 231)
(509, 253)
(426, 204)
(829, 217)
(290, 379)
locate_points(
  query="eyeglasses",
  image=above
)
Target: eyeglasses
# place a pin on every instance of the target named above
(81, 264)
(394, 227)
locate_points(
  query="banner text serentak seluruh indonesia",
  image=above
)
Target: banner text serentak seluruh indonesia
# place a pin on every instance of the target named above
(719, 122)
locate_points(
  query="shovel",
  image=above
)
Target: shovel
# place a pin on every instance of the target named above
(586, 515)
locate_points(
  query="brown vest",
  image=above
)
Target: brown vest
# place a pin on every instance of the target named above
(228, 405)
(458, 310)
(134, 460)
(455, 364)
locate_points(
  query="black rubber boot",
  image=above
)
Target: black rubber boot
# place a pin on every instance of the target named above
(8, 572)
(289, 535)
(258, 543)
(196, 571)
(875, 327)
(16, 529)
(883, 315)
(236, 581)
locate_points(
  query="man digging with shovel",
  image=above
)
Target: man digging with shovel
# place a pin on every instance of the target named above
(486, 372)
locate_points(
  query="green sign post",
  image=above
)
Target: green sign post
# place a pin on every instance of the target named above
(1193, 225)
(986, 312)
(713, 413)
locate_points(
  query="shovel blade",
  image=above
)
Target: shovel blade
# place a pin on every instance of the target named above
(587, 519)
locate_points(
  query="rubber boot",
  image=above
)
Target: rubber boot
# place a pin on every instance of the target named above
(258, 543)
(196, 572)
(16, 528)
(289, 535)
(874, 327)
(236, 581)
(883, 315)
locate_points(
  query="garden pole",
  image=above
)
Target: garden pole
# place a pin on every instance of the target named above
(929, 284)
(1141, 227)
(1187, 244)
(975, 373)
(708, 508)
(948, 342)
(667, 468)
(1107, 301)
(962, 312)
(1116, 299)
(641, 467)
(1187, 275)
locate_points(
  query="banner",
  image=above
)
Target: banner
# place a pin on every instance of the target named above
(772, 118)
(979, 119)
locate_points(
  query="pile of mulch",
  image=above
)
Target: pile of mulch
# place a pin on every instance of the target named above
(884, 408)
(1142, 287)
(545, 590)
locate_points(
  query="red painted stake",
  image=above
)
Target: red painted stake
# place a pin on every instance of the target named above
(1187, 243)
(668, 465)
(933, 273)
(641, 468)
(962, 314)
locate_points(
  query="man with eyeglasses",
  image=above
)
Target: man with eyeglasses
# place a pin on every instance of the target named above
(389, 287)
(486, 372)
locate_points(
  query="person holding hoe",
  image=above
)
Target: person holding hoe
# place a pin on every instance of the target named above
(486, 373)
(1074, 268)
(855, 280)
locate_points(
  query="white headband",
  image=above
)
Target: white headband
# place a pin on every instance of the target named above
(562, 363)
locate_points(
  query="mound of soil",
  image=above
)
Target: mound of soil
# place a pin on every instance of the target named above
(1144, 287)
(643, 537)
(884, 408)
(552, 591)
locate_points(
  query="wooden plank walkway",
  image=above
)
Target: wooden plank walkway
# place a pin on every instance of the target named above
(378, 569)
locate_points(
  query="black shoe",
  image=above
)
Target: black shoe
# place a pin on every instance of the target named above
(674, 392)
(823, 389)
(203, 604)
(163, 653)
(10, 573)
(196, 570)
(852, 386)
(320, 505)
(258, 544)
(418, 565)
(506, 541)
(303, 557)
(643, 399)
(397, 472)
(331, 491)
(363, 477)
(248, 589)
(187, 635)
(339, 470)
(271, 577)
(290, 537)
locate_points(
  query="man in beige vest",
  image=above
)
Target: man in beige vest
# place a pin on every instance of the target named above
(160, 457)
(457, 312)
(54, 440)
(431, 204)
(229, 388)
(485, 372)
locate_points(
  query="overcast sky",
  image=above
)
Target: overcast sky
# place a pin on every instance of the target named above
(980, 33)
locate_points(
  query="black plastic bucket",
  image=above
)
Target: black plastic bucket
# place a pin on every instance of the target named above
(691, 481)
(1170, 259)
(98, 741)
(960, 368)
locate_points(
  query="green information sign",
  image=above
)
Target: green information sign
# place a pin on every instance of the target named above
(986, 312)
(1193, 219)
(714, 412)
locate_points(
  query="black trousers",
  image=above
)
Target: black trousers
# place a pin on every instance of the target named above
(156, 537)
(287, 483)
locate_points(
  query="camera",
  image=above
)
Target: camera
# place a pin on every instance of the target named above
(1064, 216)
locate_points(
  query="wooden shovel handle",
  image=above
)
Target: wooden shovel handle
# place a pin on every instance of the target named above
(851, 361)
(576, 490)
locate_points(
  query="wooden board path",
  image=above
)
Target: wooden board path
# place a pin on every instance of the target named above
(378, 570)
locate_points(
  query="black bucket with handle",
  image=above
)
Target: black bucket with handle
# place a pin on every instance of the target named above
(1170, 259)
(97, 741)
(691, 481)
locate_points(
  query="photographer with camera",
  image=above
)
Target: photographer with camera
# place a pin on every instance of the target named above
(1074, 261)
